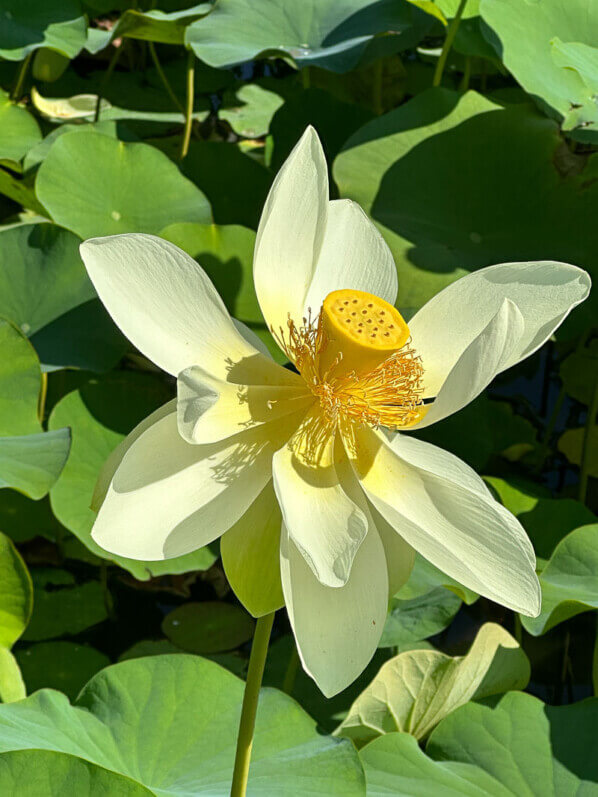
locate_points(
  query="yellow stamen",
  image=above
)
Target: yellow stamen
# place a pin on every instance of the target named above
(377, 381)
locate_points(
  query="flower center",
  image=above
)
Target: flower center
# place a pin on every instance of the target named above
(355, 357)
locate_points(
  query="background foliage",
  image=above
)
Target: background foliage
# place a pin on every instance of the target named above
(469, 133)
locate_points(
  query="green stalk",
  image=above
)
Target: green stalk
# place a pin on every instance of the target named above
(255, 673)
(106, 79)
(163, 78)
(464, 85)
(16, 92)
(291, 671)
(448, 43)
(586, 445)
(189, 103)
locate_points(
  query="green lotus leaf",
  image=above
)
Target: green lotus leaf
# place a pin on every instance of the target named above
(512, 745)
(16, 593)
(153, 26)
(27, 25)
(328, 33)
(558, 63)
(219, 169)
(30, 459)
(546, 520)
(569, 581)
(12, 686)
(46, 774)
(225, 252)
(408, 167)
(579, 372)
(334, 120)
(100, 414)
(410, 621)
(94, 185)
(44, 288)
(19, 131)
(186, 744)
(249, 108)
(499, 430)
(66, 666)
(208, 627)
(571, 444)
(61, 607)
(417, 689)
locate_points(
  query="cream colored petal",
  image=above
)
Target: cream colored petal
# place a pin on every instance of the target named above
(481, 361)
(353, 255)
(168, 498)
(164, 303)
(545, 292)
(210, 409)
(337, 630)
(461, 530)
(291, 232)
(400, 556)
(324, 523)
(116, 456)
(250, 553)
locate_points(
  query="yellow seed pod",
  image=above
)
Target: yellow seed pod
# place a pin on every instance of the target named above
(361, 327)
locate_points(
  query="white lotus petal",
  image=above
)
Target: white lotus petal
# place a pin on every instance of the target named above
(481, 361)
(168, 498)
(116, 456)
(324, 523)
(545, 292)
(210, 409)
(353, 255)
(399, 555)
(291, 232)
(337, 630)
(461, 530)
(164, 303)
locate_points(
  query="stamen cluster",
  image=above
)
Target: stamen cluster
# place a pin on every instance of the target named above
(389, 395)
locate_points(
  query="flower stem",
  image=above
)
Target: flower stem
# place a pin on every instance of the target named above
(291, 672)
(16, 92)
(448, 42)
(586, 445)
(163, 78)
(106, 79)
(255, 673)
(189, 103)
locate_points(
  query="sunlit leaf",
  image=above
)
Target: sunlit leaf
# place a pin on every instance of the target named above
(30, 24)
(18, 130)
(43, 284)
(16, 594)
(95, 185)
(183, 745)
(513, 745)
(437, 176)
(569, 581)
(333, 34)
(559, 62)
(417, 689)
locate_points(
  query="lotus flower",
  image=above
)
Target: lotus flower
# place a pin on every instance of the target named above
(312, 476)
